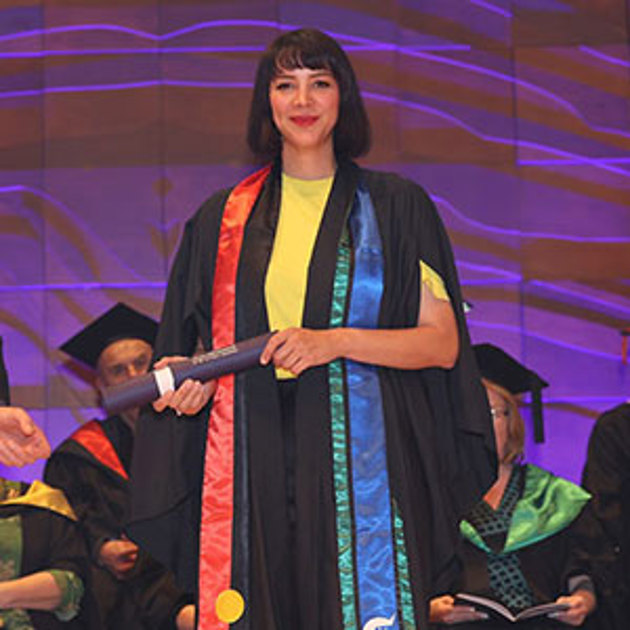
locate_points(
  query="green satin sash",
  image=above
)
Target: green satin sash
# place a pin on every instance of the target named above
(549, 504)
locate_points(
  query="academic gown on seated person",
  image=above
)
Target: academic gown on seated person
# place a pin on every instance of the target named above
(92, 468)
(436, 445)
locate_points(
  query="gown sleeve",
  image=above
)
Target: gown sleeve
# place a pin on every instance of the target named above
(156, 594)
(54, 544)
(166, 495)
(186, 314)
(84, 488)
(447, 424)
(466, 436)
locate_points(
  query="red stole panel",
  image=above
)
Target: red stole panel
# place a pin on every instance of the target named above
(217, 508)
(94, 440)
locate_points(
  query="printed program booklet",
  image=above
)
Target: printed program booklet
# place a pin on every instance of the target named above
(484, 604)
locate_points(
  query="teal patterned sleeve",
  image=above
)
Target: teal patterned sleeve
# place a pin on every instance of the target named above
(72, 589)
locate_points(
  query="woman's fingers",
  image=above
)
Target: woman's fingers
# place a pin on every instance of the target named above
(189, 398)
(297, 349)
(163, 402)
(272, 346)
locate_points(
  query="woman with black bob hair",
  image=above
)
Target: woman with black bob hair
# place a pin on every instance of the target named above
(321, 489)
(308, 48)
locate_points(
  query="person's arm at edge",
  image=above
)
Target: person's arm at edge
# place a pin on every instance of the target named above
(37, 591)
(21, 440)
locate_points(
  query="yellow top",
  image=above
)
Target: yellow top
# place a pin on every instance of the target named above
(433, 281)
(302, 207)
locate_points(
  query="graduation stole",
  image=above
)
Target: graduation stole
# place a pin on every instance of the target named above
(94, 440)
(372, 558)
(549, 504)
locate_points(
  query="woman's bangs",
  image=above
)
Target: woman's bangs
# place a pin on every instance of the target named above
(293, 57)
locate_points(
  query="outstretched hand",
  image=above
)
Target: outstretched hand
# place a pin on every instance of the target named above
(297, 349)
(21, 440)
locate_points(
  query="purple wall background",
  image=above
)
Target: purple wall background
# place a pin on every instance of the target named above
(119, 118)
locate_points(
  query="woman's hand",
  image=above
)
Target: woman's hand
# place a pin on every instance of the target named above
(444, 610)
(189, 398)
(296, 349)
(581, 603)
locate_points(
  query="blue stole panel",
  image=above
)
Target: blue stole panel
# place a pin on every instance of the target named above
(375, 562)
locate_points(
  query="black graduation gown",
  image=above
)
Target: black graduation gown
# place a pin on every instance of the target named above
(99, 495)
(606, 476)
(437, 470)
(52, 541)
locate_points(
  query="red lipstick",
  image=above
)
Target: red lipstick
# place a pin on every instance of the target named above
(304, 121)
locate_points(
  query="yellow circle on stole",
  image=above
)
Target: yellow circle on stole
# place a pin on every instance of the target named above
(229, 606)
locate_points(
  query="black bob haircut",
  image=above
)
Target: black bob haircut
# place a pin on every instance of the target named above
(308, 48)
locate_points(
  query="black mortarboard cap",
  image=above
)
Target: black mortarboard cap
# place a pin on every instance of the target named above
(498, 366)
(120, 322)
(5, 394)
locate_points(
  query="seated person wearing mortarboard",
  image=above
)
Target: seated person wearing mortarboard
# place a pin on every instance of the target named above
(43, 559)
(527, 542)
(92, 467)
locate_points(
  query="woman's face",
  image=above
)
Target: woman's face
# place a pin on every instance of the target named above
(501, 414)
(305, 108)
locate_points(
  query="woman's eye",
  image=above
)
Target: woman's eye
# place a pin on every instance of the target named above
(282, 85)
(322, 83)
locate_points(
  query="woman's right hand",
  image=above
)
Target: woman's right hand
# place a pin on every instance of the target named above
(444, 610)
(189, 398)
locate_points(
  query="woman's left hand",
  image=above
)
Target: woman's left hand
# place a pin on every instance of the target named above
(581, 603)
(297, 349)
